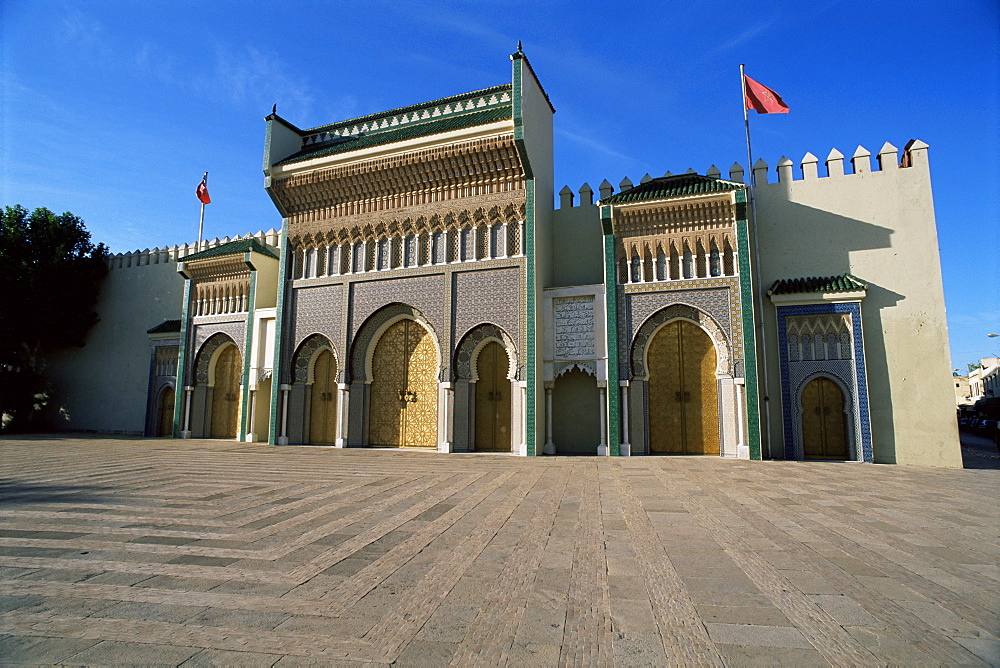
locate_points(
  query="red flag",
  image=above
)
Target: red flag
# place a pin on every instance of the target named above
(763, 99)
(202, 192)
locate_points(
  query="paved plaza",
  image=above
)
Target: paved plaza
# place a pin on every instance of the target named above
(143, 551)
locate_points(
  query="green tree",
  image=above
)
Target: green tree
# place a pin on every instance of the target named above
(50, 275)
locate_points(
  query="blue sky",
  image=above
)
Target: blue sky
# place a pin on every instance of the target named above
(112, 110)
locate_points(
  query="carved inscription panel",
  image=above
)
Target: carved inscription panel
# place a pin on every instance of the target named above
(574, 326)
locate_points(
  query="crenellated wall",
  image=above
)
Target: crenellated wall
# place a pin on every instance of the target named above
(171, 254)
(870, 218)
(104, 385)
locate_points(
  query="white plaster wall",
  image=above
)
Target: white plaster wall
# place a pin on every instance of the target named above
(880, 227)
(103, 385)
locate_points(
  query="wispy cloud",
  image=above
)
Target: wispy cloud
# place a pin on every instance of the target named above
(596, 145)
(741, 39)
(251, 76)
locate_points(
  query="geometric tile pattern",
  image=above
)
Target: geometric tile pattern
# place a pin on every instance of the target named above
(851, 374)
(198, 552)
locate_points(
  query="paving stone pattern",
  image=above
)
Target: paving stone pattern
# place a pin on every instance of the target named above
(168, 552)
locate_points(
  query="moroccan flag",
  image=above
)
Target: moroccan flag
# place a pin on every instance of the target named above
(202, 192)
(763, 99)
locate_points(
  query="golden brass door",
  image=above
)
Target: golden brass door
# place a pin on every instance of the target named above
(824, 424)
(683, 394)
(323, 404)
(166, 412)
(226, 398)
(492, 399)
(403, 400)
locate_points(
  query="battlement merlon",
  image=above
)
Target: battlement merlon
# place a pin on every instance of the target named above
(145, 257)
(914, 155)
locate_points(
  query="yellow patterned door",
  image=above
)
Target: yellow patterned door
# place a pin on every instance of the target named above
(403, 407)
(226, 397)
(323, 405)
(824, 425)
(683, 395)
(492, 399)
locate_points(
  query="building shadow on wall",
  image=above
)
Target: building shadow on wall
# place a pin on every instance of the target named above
(821, 243)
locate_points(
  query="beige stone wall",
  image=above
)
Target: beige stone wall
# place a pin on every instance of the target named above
(103, 386)
(879, 226)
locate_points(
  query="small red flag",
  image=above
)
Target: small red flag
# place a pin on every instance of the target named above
(762, 99)
(202, 192)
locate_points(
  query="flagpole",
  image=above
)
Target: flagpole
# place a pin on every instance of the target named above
(759, 322)
(201, 220)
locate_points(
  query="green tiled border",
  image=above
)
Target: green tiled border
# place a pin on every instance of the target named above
(182, 360)
(749, 326)
(611, 334)
(279, 338)
(245, 411)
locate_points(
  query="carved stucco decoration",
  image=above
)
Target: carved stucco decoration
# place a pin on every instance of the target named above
(363, 345)
(307, 352)
(438, 217)
(205, 354)
(678, 311)
(474, 340)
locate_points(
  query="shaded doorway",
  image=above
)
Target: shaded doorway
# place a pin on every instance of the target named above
(683, 391)
(323, 402)
(226, 396)
(576, 419)
(165, 412)
(404, 388)
(492, 400)
(824, 424)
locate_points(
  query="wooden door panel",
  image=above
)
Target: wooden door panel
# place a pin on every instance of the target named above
(683, 392)
(492, 403)
(225, 398)
(323, 403)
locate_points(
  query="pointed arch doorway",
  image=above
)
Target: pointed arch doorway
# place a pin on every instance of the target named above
(323, 402)
(226, 394)
(404, 388)
(492, 399)
(824, 422)
(683, 391)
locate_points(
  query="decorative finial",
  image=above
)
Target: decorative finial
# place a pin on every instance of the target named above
(519, 46)
(274, 108)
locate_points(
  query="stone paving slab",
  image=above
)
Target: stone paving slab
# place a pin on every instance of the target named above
(169, 552)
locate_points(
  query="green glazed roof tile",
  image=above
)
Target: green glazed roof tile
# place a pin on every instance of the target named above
(792, 286)
(413, 107)
(402, 133)
(680, 185)
(233, 248)
(165, 327)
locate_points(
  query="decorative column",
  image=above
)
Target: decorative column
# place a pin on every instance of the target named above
(445, 395)
(625, 449)
(742, 451)
(283, 432)
(251, 412)
(549, 448)
(343, 398)
(186, 431)
(602, 448)
(522, 443)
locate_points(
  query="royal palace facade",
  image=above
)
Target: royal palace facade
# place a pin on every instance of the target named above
(424, 292)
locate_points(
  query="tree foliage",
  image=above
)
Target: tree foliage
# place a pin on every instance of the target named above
(50, 275)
